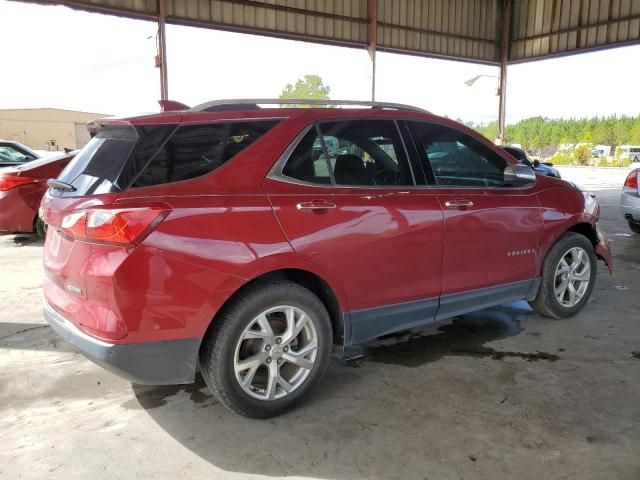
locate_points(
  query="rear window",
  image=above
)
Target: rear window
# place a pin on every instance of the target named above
(119, 158)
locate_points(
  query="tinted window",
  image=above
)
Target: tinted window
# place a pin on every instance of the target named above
(455, 158)
(359, 152)
(307, 161)
(195, 150)
(96, 167)
(118, 158)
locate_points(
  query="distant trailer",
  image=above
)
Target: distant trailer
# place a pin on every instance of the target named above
(630, 151)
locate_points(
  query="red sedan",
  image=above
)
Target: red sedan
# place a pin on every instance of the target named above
(21, 190)
(246, 242)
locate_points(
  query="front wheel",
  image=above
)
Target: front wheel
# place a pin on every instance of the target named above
(634, 226)
(568, 277)
(40, 228)
(267, 349)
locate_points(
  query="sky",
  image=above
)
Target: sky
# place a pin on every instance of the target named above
(60, 58)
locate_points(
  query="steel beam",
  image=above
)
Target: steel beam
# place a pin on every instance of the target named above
(504, 58)
(162, 50)
(372, 37)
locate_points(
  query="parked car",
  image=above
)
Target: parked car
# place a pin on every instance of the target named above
(538, 167)
(14, 153)
(21, 190)
(219, 238)
(630, 200)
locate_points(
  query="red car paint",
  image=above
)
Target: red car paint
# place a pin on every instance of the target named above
(380, 246)
(19, 204)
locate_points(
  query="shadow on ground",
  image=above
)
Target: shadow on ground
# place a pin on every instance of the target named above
(25, 239)
(326, 421)
(31, 336)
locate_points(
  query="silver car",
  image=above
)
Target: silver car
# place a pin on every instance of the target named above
(630, 200)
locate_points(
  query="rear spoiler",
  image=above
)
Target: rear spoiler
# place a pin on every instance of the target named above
(172, 106)
(95, 126)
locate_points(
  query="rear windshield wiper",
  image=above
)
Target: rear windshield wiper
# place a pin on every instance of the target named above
(62, 186)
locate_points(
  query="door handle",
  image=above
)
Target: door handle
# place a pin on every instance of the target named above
(315, 205)
(458, 204)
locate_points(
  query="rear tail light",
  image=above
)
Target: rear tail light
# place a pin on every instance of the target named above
(7, 182)
(632, 180)
(117, 226)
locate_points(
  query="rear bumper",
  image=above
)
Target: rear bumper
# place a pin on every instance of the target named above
(153, 363)
(630, 205)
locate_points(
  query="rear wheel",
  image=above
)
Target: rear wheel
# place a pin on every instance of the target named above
(568, 277)
(268, 349)
(634, 226)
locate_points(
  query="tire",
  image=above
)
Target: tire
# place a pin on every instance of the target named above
(227, 349)
(634, 226)
(547, 302)
(40, 228)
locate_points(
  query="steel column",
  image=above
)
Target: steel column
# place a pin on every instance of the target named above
(162, 50)
(372, 36)
(504, 57)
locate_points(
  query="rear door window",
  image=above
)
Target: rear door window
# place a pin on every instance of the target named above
(358, 153)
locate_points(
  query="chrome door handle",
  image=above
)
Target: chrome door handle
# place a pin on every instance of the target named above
(458, 203)
(315, 205)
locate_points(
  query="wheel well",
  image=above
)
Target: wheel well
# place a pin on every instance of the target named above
(587, 230)
(312, 282)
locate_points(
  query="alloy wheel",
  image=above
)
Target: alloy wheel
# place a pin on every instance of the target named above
(572, 277)
(276, 353)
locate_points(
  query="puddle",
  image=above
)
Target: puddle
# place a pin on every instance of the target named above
(153, 397)
(464, 336)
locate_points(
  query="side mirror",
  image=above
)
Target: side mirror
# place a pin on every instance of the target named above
(519, 175)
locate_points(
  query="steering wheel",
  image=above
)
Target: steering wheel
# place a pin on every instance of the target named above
(386, 176)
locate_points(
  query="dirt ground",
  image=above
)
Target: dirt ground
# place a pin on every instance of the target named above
(501, 394)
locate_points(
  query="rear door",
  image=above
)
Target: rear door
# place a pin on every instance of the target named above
(346, 199)
(492, 230)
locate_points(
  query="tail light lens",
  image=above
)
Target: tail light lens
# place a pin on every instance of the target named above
(7, 182)
(632, 180)
(116, 226)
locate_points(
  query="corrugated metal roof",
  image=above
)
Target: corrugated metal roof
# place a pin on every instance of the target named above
(464, 29)
(543, 28)
(458, 29)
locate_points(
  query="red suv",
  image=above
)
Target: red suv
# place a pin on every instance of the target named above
(247, 241)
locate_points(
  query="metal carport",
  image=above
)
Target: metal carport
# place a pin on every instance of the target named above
(494, 32)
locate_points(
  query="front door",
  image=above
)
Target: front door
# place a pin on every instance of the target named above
(492, 230)
(347, 202)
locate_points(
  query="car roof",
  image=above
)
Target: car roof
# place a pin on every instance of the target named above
(175, 112)
(309, 114)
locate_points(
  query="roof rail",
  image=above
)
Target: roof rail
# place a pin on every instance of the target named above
(254, 102)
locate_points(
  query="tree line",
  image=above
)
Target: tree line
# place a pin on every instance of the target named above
(540, 132)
